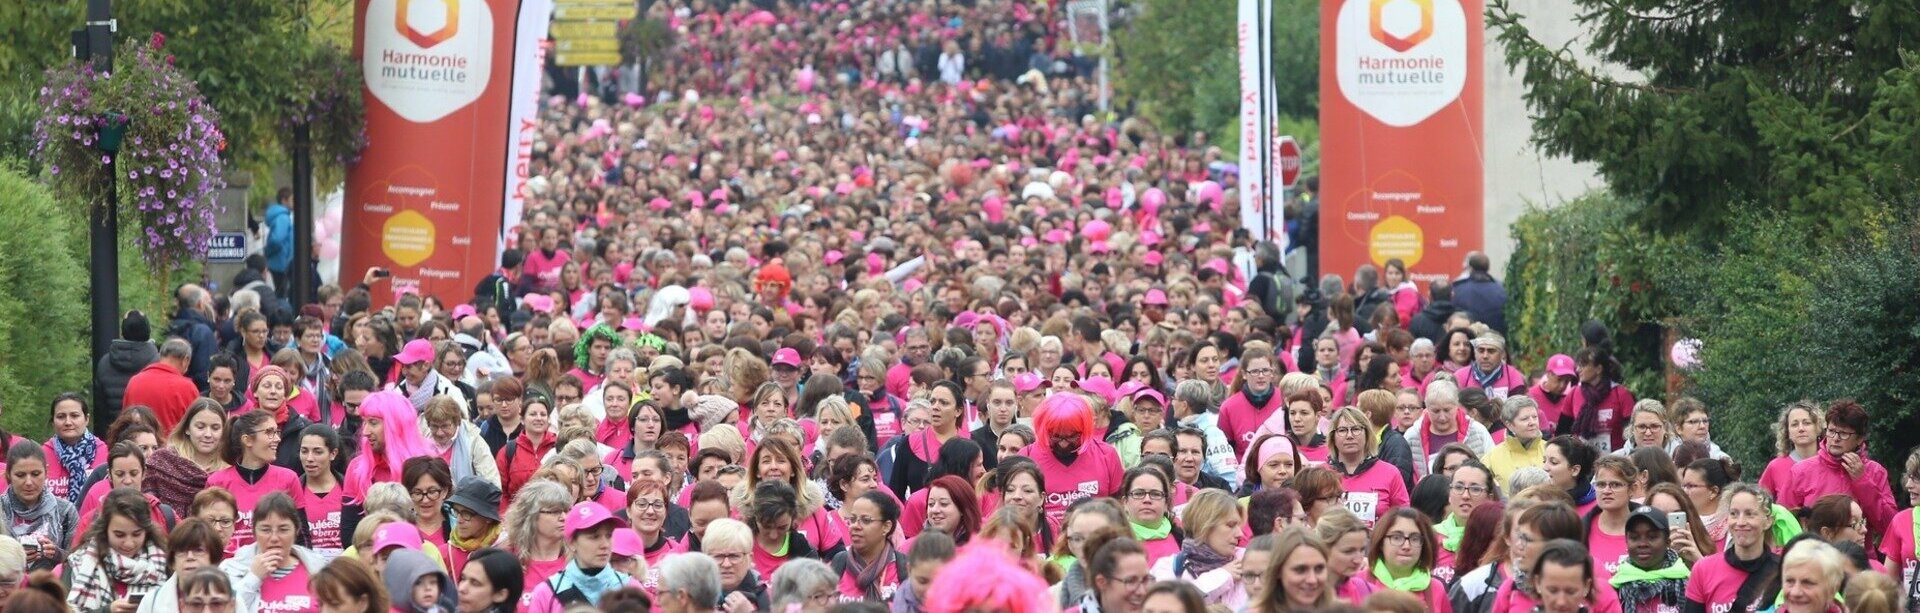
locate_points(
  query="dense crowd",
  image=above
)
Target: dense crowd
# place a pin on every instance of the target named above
(871, 306)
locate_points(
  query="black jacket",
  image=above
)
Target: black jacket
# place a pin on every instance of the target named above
(1431, 324)
(197, 331)
(1394, 450)
(1364, 306)
(123, 360)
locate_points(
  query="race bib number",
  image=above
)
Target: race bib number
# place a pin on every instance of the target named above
(1498, 394)
(1606, 416)
(1364, 505)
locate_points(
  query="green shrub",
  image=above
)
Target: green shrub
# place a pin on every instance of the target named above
(43, 303)
(1792, 320)
(1583, 261)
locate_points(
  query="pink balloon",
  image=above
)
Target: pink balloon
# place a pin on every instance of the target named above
(1210, 193)
(1153, 199)
(330, 250)
(1096, 230)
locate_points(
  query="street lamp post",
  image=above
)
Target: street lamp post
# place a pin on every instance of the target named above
(94, 44)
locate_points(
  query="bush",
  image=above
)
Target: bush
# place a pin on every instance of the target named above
(1794, 320)
(1582, 261)
(43, 303)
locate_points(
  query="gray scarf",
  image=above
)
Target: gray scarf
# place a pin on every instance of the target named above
(420, 395)
(42, 518)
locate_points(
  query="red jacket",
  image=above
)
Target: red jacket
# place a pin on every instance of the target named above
(162, 388)
(518, 461)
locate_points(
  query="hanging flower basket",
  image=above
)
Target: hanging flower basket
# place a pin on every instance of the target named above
(151, 119)
(112, 129)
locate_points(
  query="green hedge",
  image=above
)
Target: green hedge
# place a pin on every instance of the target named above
(43, 303)
(1782, 318)
(1579, 261)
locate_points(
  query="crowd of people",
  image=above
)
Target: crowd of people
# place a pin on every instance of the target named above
(850, 306)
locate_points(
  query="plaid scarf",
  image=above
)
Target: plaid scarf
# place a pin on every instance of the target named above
(95, 573)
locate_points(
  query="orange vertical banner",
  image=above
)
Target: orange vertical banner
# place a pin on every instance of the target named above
(1402, 154)
(425, 199)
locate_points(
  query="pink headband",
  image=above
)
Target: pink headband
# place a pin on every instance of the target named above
(1273, 446)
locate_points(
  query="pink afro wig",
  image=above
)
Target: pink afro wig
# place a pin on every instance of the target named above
(1064, 413)
(1014, 589)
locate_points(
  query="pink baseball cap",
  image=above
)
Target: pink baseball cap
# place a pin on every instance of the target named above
(1560, 365)
(1028, 381)
(627, 543)
(417, 350)
(396, 534)
(462, 311)
(786, 356)
(586, 515)
(1100, 386)
(1155, 297)
(833, 257)
(1148, 392)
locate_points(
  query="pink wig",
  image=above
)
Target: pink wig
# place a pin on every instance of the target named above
(400, 436)
(1014, 588)
(1064, 413)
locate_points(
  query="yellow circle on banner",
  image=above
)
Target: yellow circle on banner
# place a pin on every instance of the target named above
(407, 238)
(1396, 237)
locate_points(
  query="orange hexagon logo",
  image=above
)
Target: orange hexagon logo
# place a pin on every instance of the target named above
(1401, 24)
(451, 25)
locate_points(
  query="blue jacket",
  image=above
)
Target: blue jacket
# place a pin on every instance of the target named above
(279, 237)
(197, 331)
(1484, 299)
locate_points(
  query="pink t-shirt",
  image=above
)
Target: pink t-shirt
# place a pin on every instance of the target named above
(1609, 551)
(1435, 596)
(287, 594)
(1775, 477)
(1897, 545)
(1510, 600)
(888, 583)
(1374, 492)
(1097, 472)
(1160, 548)
(1239, 419)
(247, 495)
(58, 481)
(545, 270)
(537, 572)
(323, 520)
(1717, 584)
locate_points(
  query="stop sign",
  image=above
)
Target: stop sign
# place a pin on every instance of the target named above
(1289, 152)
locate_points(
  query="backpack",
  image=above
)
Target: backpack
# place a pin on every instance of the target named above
(572, 594)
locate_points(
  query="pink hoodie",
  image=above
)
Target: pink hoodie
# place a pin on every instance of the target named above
(1823, 474)
(1550, 411)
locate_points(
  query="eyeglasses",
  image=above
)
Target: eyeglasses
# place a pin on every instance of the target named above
(1349, 430)
(1406, 407)
(1470, 490)
(863, 520)
(1259, 372)
(270, 432)
(206, 604)
(1147, 495)
(220, 522)
(1609, 485)
(1649, 427)
(655, 505)
(1840, 435)
(1402, 538)
(427, 494)
(727, 559)
(1133, 582)
(1699, 421)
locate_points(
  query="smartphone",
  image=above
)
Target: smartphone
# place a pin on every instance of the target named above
(382, 273)
(135, 597)
(1676, 520)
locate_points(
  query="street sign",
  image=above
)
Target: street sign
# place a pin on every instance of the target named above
(584, 29)
(590, 58)
(579, 13)
(1289, 161)
(586, 44)
(227, 247)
